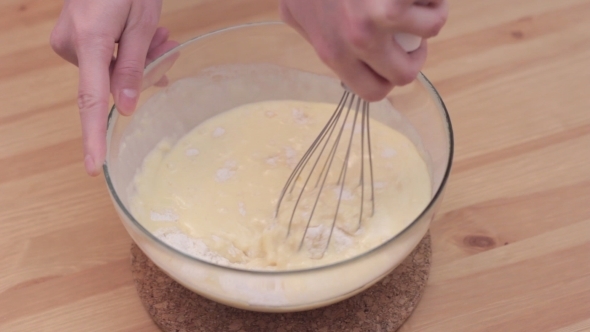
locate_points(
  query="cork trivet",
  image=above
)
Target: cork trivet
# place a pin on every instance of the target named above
(383, 307)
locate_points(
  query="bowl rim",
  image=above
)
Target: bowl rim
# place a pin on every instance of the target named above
(113, 115)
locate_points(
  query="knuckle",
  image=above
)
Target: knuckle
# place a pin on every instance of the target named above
(285, 13)
(437, 25)
(87, 101)
(149, 19)
(406, 76)
(392, 13)
(327, 53)
(145, 18)
(86, 37)
(377, 91)
(132, 69)
(377, 94)
(356, 32)
(56, 41)
(356, 36)
(60, 43)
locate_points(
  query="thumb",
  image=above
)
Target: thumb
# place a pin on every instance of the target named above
(129, 65)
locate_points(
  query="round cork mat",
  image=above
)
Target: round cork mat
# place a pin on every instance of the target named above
(383, 307)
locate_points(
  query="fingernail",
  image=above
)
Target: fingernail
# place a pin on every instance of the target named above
(127, 99)
(407, 41)
(130, 93)
(89, 165)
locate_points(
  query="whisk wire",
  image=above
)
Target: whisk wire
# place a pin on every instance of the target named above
(303, 162)
(342, 176)
(333, 149)
(362, 177)
(366, 109)
(328, 162)
(323, 139)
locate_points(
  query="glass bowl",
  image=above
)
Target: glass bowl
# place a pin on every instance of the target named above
(251, 63)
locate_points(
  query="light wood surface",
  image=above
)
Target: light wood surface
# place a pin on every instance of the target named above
(511, 242)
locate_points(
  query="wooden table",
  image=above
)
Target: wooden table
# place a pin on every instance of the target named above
(511, 242)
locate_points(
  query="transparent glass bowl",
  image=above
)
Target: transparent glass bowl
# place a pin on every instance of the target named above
(245, 64)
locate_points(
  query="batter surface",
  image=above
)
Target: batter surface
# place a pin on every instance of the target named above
(213, 194)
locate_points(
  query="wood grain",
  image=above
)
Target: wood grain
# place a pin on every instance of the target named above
(511, 244)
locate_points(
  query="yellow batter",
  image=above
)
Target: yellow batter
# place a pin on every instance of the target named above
(213, 194)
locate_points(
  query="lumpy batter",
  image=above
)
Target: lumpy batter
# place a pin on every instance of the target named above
(213, 194)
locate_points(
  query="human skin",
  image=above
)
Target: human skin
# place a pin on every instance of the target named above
(355, 38)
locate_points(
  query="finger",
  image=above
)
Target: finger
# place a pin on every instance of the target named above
(61, 44)
(424, 21)
(157, 51)
(394, 64)
(421, 18)
(159, 38)
(158, 46)
(365, 82)
(112, 65)
(156, 75)
(131, 57)
(341, 57)
(288, 18)
(361, 78)
(428, 3)
(93, 99)
(162, 82)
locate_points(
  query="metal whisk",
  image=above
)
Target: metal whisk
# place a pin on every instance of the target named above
(315, 158)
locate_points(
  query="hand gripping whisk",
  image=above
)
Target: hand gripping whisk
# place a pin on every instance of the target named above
(329, 163)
